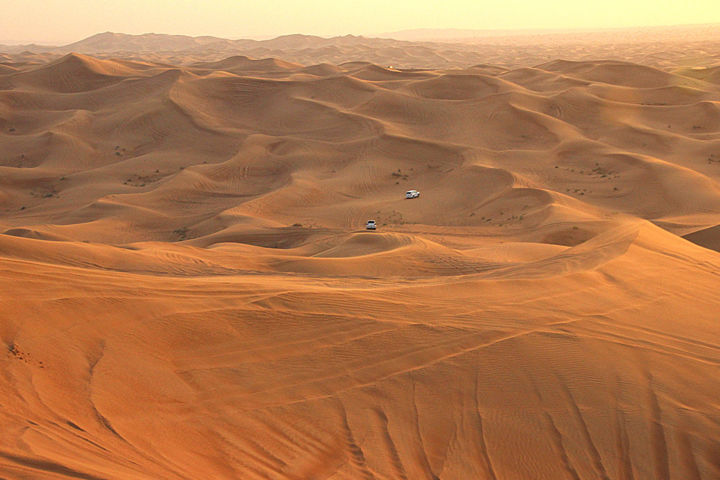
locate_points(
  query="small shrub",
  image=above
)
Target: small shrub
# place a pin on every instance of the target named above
(181, 233)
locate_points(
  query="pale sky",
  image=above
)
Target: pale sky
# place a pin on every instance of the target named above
(65, 21)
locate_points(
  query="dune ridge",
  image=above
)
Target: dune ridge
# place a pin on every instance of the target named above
(188, 290)
(685, 46)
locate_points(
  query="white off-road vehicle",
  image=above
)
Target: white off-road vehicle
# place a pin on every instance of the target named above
(370, 225)
(412, 194)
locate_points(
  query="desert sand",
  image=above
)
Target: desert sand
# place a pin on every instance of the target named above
(188, 291)
(660, 47)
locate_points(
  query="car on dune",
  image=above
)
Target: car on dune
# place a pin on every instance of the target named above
(370, 225)
(412, 194)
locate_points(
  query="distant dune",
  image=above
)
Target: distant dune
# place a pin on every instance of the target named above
(188, 290)
(687, 46)
(659, 34)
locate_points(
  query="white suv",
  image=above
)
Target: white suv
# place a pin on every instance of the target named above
(370, 225)
(412, 194)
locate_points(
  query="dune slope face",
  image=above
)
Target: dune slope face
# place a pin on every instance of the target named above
(188, 291)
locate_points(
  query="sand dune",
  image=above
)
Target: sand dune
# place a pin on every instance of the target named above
(188, 290)
(683, 47)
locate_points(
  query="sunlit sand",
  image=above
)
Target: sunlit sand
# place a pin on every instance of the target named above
(189, 290)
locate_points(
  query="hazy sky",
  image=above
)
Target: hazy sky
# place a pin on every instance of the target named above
(64, 21)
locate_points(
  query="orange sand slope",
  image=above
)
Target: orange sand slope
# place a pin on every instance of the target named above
(188, 291)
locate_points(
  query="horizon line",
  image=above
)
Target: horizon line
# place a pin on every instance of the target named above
(547, 30)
